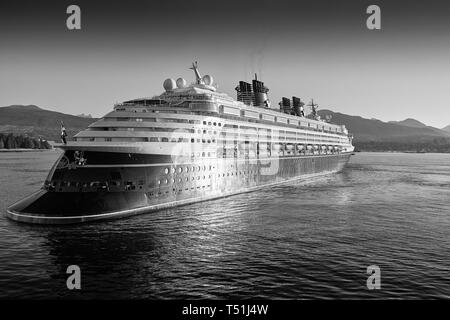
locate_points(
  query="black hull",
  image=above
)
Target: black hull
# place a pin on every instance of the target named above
(136, 188)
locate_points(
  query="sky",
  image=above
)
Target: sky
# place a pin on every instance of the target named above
(310, 49)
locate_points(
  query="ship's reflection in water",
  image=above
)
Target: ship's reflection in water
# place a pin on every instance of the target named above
(302, 240)
(195, 251)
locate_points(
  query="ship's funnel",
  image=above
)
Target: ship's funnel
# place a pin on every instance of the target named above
(260, 93)
(254, 94)
(245, 93)
(297, 107)
(286, 105)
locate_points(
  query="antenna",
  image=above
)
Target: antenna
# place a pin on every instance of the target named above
(312, 104)
(313, 108)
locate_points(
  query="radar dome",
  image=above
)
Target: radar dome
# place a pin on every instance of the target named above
(169, 84)
(181, 83)
(208, 80)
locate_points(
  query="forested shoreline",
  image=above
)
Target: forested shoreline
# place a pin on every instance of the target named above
(434, 146)
(11, 141)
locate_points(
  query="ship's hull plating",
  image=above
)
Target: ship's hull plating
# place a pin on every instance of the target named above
(146, 185)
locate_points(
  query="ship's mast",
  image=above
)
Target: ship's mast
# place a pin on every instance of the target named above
(313, 108)
(197, 73)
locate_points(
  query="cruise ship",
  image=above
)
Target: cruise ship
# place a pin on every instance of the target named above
(189, 144)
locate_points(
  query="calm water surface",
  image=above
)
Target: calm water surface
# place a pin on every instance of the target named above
(303, 240)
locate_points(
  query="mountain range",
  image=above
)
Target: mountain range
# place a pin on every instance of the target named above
(37, 122)
(369, 134)
(407, 135)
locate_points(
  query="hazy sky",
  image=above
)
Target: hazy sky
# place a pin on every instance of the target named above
(311, 49)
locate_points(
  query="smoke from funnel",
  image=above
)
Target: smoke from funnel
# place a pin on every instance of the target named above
(257, 59)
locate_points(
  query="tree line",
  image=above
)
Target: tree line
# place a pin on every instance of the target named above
(10, 141)
(438, 145)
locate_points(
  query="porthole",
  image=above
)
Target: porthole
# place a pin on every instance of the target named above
(180, 169)
(159, 181)
(166, 170)
(173, 170)
(166, 181)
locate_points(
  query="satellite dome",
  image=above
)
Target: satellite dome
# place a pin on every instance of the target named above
(169, 84)
(181, 83)
(208, 80)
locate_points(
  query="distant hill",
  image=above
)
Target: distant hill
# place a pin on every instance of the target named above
(410, 123)
(376, 135)
(447, 128)
(34, 121)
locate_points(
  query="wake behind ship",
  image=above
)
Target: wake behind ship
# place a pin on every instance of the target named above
(189, 144)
